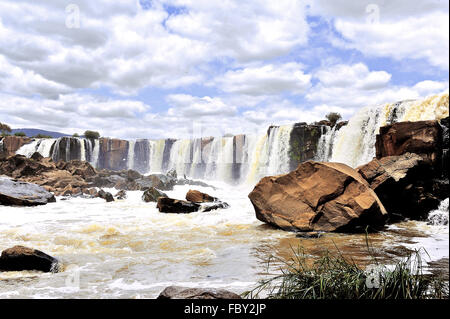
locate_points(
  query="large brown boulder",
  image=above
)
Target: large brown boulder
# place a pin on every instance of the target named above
(421, 137)
(175, 292)
(20, 258)
(318, 196)
(405, 184)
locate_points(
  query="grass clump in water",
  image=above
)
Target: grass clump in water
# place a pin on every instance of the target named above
(332, 276)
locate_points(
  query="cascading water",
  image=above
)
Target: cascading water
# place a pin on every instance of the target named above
(354, 144)
(156, 156)
(325, 145)
(42, 146)
(439, 217)
(95, 152)
(130, 159)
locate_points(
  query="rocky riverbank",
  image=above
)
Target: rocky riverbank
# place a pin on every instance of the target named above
(406, 180)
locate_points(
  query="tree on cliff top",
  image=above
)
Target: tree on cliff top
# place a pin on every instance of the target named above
(333, 117)
(92, 134)
(4, 128)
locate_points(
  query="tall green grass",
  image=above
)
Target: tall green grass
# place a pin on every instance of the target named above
(333, 276)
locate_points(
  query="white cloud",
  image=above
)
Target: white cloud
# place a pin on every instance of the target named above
(192, 107)
(356, 75)
(265, 80)
(346, 88)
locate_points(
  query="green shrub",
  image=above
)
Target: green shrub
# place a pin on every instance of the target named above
(92, 134)
(333, 117)
(336, 277)
(21, 134)
(42, 136)
(75, 135)
(5, 129)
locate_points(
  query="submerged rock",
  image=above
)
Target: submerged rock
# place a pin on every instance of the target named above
(152, 195)
(207, 207)
(121, 195)
(20, 258)
(318, 197)
(170, 205)
(199, 197)
(23, 194)
(105, 195)
(175, 292)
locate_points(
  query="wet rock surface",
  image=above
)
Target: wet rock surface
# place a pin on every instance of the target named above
(405, 184)
(23, 194)
(20, 258)
(199, 197)
(176, 206)
(152, 195)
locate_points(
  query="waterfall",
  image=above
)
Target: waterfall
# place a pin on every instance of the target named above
(180, 157)
(325, 145)
(354, 144)
(130, 158)
(156, 156)
(278, 150)
(82, 148)
(95, 152)
(440, 215)
(42, 146)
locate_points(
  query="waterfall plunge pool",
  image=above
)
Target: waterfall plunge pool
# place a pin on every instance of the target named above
(127, 249)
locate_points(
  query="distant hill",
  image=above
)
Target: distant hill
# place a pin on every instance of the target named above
(30, 132)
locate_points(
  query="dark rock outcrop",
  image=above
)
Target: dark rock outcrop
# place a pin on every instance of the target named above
(152, 195)
(207, 207)
(174, 292)
(304, 140)
(23, 194)
(20, 258)
(105, 195)
(176, 206)
(9, 145)
(405, 184)
(121, 195)
(318, 197)
(422, 137)
(113, 154)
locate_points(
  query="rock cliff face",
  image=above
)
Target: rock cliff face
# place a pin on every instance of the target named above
(10, 144)
(113, 154)
(304, 141)
(318, 196)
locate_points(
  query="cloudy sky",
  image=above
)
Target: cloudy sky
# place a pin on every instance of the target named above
(169, 68)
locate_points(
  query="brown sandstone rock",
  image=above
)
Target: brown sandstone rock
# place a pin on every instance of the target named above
(199, 197)
(318, 197)
(10, 145)
(422, 137)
